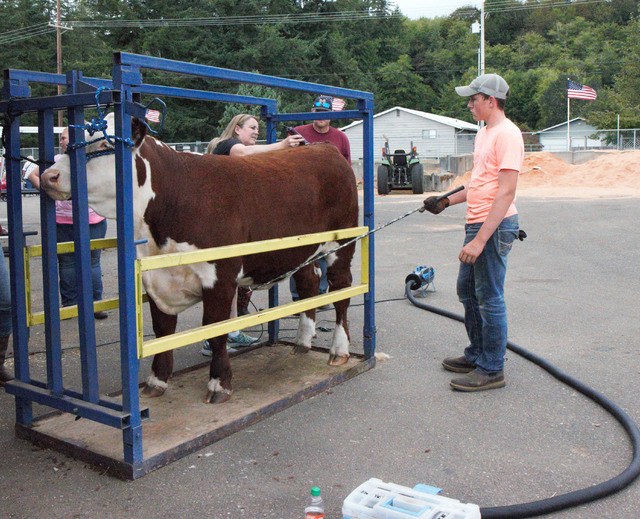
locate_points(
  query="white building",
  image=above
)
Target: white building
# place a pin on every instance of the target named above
(583, 136)
(433, 135)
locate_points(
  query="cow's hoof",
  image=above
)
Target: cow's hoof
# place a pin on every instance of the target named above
(299, 349)
(338, 360)
(153, 391)
(216, 397)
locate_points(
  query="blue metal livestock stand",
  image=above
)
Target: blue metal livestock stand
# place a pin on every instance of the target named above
(124, 92)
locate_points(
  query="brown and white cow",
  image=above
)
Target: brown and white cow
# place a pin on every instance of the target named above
(187, 201)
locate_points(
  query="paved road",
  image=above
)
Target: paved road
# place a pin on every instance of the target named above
(572, 294)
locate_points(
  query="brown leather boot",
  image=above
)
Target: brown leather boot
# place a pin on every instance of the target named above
(5, 375)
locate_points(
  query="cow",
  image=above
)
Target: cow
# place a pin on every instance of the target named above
(184, 201)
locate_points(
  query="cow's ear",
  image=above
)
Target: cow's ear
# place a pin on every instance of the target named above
(138, 131)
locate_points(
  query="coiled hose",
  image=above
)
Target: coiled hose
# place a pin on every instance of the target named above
(577, 497)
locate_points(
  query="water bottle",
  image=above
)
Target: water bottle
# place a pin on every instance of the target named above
(315, 510)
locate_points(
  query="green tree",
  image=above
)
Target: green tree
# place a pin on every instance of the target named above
(398, 85)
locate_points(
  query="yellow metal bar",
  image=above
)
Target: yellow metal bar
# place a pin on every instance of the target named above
(66, 247)
(69, 312)
(243, 249)
(139, 322)
(177, 340)
(27, 285)
(364, 260)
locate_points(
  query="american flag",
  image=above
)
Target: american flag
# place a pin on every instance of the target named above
(337, 104)
(578, 91)
(152, 116)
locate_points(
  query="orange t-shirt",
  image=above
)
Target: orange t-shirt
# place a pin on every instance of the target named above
(497, 148)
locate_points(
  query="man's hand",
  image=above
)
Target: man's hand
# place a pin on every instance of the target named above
(435, 206)
(470, 252)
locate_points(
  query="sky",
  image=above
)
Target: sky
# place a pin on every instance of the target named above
(415, 9)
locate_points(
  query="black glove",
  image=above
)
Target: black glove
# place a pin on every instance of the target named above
(435, 206)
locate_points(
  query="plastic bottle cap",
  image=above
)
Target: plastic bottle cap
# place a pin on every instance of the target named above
(315, 491)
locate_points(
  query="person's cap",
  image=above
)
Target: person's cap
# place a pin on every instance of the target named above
(489, 84)
(323, 104)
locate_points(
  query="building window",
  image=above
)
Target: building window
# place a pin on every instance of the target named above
(429, 134)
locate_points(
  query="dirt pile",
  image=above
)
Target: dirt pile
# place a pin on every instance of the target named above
(614, 174)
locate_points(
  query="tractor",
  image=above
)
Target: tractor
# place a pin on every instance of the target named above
(400, 170)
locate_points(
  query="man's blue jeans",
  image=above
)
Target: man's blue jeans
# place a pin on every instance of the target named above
(67, 264)
(481, 290)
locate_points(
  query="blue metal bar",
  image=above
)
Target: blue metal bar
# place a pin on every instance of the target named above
(310, 116)
(203, 95)
(369, 330)
(55, 103)
(274, 326)
(78, 407)
(50, 262)
(35, 77)
(186, 93)
(132, 435)
(82, 253)
(106, 401)
(183, 67)
(24, 410)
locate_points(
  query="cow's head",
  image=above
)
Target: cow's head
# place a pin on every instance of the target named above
(101, 187)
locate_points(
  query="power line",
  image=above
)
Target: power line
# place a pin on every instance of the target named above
(502, 7)
(341, 16)
(16, 35)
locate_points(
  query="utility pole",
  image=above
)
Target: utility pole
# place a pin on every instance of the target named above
(59, 54)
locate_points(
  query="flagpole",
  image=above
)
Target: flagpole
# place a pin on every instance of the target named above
(568, 118)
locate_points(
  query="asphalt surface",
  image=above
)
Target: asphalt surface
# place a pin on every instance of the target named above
(572, 292)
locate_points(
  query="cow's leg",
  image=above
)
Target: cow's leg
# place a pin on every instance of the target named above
(162, 366)
(339, 276)
(307, 284)
(217, 307)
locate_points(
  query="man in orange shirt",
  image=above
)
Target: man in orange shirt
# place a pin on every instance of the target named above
(491, 227)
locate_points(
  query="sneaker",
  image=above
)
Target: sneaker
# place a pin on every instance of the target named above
(458, 364)
(100, 315)
(478, 380)
(206, 349)
(241, 340)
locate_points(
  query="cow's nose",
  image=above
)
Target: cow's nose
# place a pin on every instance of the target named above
(51, 176)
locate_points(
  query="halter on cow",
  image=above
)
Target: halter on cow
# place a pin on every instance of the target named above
(186, 201)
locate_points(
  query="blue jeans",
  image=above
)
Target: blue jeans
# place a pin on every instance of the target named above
(324, 283)
(480, 289)
(67, 264)
(5, 298)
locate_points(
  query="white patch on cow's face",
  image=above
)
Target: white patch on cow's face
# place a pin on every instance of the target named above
(306, 331)
(101, 185)
(340, 342)
(326, 247)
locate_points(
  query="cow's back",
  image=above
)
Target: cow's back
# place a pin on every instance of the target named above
(218, 200)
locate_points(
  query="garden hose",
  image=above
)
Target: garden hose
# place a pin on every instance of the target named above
(577, 497)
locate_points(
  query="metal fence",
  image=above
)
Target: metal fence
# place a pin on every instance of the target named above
(622, 140)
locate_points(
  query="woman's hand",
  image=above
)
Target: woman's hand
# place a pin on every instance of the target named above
(293, 140)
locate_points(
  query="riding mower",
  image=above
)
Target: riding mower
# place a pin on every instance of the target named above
(400, 170)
